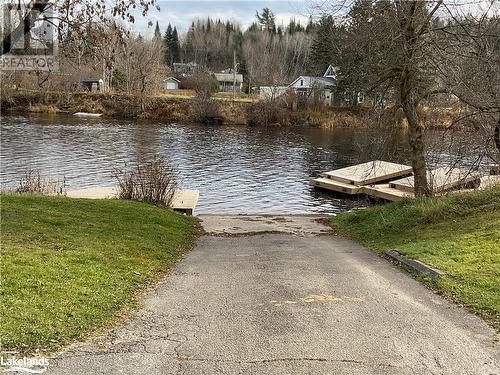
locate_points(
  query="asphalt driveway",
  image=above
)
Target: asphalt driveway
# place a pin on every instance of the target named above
(302, 302)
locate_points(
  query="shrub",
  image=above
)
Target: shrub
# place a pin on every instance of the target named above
(34, 182)
(152, 182)
(268, 113)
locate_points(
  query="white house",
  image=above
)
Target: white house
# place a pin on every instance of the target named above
(226, 81)
(171, 83)
(308, 86)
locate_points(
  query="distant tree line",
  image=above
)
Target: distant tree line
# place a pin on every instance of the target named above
(266, 53)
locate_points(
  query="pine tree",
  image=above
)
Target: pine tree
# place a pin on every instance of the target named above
(267, 20)
(157, 36)
(310, 25)
(175, 48)
(167, 41)
(188, 49)
(323, 43)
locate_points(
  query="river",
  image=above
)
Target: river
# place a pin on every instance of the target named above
(237, 169)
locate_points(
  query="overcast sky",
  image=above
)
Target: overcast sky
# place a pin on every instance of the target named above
(181, 13)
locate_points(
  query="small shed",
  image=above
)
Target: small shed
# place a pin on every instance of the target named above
(171, 83)
(93, 85)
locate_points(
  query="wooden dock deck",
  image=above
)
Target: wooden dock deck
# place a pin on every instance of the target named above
(369, 173)
(183, 200)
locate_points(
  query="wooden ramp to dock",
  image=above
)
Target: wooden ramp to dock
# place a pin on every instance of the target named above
(384, 191)
(440, 180)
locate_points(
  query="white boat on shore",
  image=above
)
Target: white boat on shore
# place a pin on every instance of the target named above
(87, 114)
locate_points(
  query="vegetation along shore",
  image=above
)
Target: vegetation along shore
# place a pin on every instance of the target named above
(72, 266)
(456, 233)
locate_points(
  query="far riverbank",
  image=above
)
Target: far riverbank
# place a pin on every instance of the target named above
(186, 109)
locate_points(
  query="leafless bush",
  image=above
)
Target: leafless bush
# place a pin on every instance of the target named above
(204, 109)
(266, 113)
(34, 182)
(152, 182)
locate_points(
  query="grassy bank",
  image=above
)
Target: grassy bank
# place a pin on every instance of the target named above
(459, 234)
(69, 266)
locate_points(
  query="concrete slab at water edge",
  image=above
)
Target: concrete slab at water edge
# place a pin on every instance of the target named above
(286, 304)
(251, 224)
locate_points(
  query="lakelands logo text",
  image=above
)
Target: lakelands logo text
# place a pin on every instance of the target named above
(34, 365)
(28, 35)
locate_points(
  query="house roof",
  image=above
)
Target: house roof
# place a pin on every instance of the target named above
(172, 79)
(330, 72)
(309, 82)
(228, 77)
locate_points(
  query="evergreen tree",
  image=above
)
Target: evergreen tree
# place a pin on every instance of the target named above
(175, 48)
(157, 36)
(322, 49)
(310, 25)
(267, 20)
(167, 41)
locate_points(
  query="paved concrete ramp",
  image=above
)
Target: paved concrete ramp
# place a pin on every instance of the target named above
(281, 304)
(251, 224)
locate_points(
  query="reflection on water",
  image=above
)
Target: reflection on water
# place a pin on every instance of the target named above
(236, 169)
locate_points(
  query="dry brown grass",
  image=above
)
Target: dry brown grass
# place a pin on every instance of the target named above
(34, 182)
(152, 182)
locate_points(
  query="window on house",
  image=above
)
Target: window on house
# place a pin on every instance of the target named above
(302, 82)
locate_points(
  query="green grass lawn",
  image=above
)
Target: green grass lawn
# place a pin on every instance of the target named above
(459, 234)
(69, 266)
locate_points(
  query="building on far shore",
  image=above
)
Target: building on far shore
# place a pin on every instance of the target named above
(171, 83)
(318, 88)
(227, 78)
(93, 85)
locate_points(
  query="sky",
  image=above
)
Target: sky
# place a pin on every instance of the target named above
(182, 13)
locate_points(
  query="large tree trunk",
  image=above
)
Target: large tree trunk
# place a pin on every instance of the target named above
(409, 94)
(415, 135)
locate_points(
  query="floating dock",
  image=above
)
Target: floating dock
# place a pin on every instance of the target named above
(393, 182)
(369, 173)
(183, 201)
(361, 179)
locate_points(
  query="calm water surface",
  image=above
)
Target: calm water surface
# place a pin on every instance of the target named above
(236, 169)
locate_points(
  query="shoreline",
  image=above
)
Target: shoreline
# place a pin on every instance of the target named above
(179, 109)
